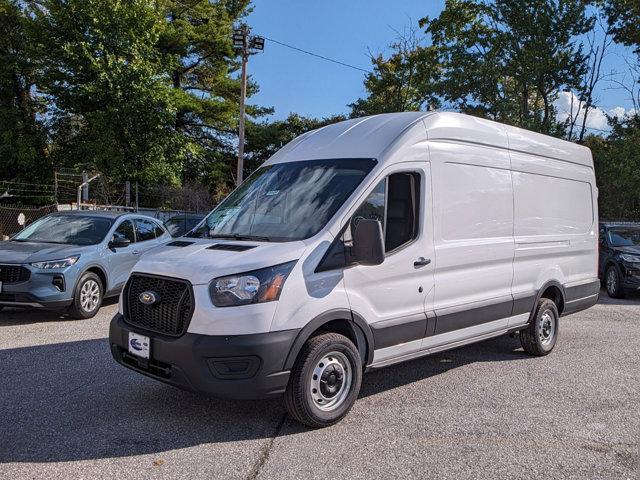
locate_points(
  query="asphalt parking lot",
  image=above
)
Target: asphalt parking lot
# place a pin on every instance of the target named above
(482, 411)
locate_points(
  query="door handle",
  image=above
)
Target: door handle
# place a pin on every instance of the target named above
(135, 252)
(421, 262)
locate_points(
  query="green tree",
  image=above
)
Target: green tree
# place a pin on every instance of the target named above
(508, 59)
(142, 90)
(617, 164)
(110, 104)
(23, 148)
(405, 81)
(624, 17)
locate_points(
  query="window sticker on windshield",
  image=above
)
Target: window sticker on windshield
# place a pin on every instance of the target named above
(270, 193)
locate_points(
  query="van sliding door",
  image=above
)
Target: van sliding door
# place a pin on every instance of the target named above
(474, 248)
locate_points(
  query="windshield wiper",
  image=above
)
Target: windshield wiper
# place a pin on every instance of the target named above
(235, 236)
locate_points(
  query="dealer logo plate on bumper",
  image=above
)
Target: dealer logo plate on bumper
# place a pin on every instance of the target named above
(139, 345)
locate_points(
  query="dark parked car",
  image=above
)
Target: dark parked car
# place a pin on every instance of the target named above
(183, 223)
(74, 259)
(619, 267)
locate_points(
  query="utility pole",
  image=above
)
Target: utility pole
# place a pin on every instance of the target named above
(246, 44)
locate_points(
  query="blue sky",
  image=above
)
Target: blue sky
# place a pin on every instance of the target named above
(291, 81)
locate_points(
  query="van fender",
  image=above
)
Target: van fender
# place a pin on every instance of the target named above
(359, 327)
(541, 290)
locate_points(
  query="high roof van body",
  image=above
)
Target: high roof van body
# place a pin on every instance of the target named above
(363, 244)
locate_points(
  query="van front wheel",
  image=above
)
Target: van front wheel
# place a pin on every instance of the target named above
(541, 334)
(325, 380)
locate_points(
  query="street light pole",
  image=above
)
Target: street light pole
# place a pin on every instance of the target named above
(246, 44)
(243, 95)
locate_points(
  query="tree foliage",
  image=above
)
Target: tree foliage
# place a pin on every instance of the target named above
(624, 17)
(508, 59)
(23, 150)
(617, 163)
(405, 81)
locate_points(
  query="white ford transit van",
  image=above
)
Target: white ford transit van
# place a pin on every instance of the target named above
(362, 244)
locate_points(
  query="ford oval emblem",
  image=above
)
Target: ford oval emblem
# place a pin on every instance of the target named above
(149, 298)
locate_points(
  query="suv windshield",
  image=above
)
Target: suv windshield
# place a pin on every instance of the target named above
(285, 201)
(66, 229)
(624, 237)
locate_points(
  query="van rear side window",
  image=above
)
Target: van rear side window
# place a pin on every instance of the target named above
(551, 206)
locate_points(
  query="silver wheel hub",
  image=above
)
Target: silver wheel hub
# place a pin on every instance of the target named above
(90, 296)
(612, 280)
(331, 381)
(546, 327)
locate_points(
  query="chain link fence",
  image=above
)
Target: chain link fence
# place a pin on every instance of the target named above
(15, 218)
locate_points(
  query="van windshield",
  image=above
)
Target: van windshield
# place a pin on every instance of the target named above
(286, 201)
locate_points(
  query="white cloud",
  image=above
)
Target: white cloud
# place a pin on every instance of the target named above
(597, 117)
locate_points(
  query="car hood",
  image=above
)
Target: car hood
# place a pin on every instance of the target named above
(633, 250)
(200, 264)
(27, 252)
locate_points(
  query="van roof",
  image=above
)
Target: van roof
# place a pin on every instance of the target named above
(372, 137)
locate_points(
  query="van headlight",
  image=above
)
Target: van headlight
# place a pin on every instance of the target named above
(257, 286)
(51, 264)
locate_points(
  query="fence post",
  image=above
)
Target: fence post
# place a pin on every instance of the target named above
(85, 189)
(127, 193)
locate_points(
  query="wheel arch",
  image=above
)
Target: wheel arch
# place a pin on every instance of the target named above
(341, 321)
(100, 272)
(553, 290)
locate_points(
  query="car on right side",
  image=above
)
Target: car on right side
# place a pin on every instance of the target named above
(619, 264)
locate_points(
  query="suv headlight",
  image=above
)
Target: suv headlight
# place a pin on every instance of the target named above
(51, 264)
(257, 286)
(630, 258)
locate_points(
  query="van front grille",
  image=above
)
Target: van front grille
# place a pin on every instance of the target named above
(171, 309)
(14, 274)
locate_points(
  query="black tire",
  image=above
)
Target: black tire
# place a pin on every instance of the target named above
(541, 334)
(77, 310)
(614, 287)
(302, 401)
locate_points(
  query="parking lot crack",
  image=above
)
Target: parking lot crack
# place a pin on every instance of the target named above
(265, 450)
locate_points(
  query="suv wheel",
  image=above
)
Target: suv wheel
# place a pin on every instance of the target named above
(88, 297)
(613, 282)
(325, 380)
(541, 334)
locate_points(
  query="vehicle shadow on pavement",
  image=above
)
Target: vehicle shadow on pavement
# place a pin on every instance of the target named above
(71, 401)
(23, 316)
(499, 349)
(631, 299)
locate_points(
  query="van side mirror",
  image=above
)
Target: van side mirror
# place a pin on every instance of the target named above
(368, 242)
(119, 242)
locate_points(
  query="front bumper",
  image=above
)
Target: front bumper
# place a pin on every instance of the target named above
(44, 289)
(238, 367)
(630, 275)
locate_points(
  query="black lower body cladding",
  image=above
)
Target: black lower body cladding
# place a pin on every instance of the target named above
(233, 366)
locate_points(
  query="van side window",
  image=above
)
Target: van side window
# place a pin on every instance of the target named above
(394, 203)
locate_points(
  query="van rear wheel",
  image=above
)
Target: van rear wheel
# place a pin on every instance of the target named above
(325, 380)
(541, 334)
